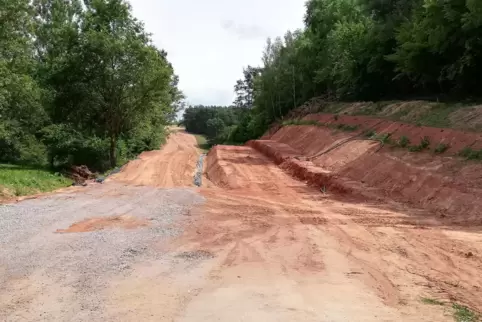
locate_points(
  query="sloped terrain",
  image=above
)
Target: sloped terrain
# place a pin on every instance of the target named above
(442, 182)
(255, 243)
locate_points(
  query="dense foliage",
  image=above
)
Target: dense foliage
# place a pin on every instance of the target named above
(80, 83)
(215, 122)
(366, 50)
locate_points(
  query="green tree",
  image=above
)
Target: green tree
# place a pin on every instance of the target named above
(114, 77)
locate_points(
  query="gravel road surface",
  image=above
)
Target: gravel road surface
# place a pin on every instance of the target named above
(47, 274)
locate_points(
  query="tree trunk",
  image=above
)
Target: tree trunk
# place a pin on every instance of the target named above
(113, 154)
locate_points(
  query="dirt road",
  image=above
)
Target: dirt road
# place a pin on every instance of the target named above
(173, 166)
(254, 245)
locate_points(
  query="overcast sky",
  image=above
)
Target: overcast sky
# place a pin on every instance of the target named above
(210, 41)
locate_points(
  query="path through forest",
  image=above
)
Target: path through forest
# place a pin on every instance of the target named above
(252, 245)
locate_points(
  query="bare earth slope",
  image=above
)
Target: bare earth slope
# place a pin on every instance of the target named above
(254, 245)
(173, 166)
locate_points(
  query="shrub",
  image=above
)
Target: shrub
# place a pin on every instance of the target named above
(441, 148)
(471, 154)
(424, 144)
(403, 141)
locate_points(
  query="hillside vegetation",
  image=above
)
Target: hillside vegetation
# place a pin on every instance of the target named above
(367, 50)
(80, 83)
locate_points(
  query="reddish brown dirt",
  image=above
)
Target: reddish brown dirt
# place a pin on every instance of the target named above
(285, 251)
(449, 186)
(172, 166)
(101, 223)
(273, 227)
(456, 139)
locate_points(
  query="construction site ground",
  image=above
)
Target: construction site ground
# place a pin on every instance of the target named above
(252, 244)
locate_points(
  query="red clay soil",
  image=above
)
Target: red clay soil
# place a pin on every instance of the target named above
(341, 161)
(276, 230)
(455, 139)
(101, 223)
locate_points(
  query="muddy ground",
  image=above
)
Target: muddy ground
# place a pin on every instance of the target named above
(253, 244)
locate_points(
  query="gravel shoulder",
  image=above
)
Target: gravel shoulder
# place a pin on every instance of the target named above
(52, 276)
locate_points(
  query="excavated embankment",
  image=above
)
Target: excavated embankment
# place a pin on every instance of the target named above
(346, 162)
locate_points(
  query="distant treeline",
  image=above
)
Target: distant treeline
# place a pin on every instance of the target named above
(366, 50)
(217, 123)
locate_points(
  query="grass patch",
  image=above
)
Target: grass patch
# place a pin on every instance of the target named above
(461, 313)
(471, 154)
(464, 314)
(441, 148)
(347, 128)
(430, 301)
(424, 144)
(24, 180)
(202, 142)
(403, 141)
(438, 115)
(301, 122)
(369, 134)
(383, 138)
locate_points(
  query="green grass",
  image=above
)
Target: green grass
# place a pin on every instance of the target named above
(441, 148)
(24, 180)
(464, 314)
(430, 301)
(403, 142)
(301, 122)
(347, 128)
(461, 313)
(471, 154)
(438, 116)
(424, 144)
(202, 143)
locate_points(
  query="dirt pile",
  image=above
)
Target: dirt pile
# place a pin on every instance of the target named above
(80, 174)
(345, 162)
(174, 165)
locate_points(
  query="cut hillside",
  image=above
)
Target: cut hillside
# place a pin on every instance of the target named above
(382, 159)
(461, 116)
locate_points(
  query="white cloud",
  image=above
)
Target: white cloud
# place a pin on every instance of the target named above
(209, 42)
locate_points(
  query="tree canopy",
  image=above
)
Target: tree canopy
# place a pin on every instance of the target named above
(366, 50)
(81, 82)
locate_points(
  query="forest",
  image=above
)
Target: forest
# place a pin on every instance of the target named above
(365, 50)
(80, 83)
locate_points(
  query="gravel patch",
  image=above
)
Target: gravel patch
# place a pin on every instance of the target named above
(83, 262)
(198, 176)
(196, 255)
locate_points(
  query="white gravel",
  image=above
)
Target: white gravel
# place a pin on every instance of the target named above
(30, 248)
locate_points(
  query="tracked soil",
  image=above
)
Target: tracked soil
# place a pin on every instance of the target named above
(262, 246)
(172, 166)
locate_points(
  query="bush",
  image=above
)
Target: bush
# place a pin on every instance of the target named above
(403, 141)
(441, 148)
(471, 154)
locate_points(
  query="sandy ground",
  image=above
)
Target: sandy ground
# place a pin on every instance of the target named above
(173, 166)
(257, 246)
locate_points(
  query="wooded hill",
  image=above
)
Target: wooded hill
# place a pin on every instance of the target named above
(365, 50)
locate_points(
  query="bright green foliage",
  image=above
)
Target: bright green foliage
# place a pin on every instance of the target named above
(24, 180)
(80, 83)
(217, 123)
(368, 50)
